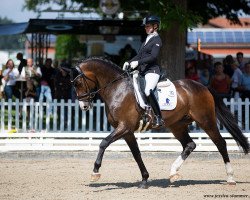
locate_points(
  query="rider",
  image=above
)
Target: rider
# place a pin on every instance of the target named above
(146, 62)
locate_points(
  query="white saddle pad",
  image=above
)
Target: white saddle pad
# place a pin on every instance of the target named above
(167, 97)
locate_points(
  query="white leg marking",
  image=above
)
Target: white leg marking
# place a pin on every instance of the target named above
(176, 165)
(230, 173)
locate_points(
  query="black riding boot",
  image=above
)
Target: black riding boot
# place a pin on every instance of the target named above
(155, 106)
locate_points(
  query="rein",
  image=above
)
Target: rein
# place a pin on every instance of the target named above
(91, 94)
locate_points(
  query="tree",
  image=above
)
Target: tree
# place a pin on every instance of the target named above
(176, 17)
(68, 47)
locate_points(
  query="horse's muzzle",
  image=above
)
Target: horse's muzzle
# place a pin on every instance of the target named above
(85, 105)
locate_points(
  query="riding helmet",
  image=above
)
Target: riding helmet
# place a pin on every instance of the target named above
(151, 19)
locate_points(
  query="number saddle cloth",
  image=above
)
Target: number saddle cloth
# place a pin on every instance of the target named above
(165, 93)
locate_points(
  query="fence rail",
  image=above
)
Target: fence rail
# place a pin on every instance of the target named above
(61, 116)
(66, 127)
(91, 141)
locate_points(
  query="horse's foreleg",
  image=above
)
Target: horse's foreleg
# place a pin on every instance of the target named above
(115, 135)
(133, 145)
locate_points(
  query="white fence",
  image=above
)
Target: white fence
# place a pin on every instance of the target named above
(30, 126)
(91, 141)
(67, 117)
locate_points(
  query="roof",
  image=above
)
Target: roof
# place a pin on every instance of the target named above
(64, 26)
(221, 22)
(211, 35)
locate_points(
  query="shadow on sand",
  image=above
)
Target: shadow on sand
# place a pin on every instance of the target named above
(160, 183)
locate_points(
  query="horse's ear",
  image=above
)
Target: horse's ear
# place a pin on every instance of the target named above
(73, 73)
(66, 69)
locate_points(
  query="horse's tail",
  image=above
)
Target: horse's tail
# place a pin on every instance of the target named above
(229, 121)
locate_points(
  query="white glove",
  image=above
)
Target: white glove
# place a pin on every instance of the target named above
(125, 66)
(134, 64)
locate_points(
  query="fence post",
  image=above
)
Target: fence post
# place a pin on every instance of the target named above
(31, 114)
(24, 114)
(247, 115)
(98, 115)
(76, 116)
(61, 121)
(55, 116)
(2, 115)
(69, 114)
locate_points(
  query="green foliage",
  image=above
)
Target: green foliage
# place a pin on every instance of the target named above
(11, 42)
(170, 11)
(68, 47)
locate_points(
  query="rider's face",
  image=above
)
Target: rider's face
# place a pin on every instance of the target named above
(149, 28)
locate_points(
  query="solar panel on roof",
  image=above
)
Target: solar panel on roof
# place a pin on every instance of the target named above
(209, 37)
(238, 36)
(219, 36)
(246, 34)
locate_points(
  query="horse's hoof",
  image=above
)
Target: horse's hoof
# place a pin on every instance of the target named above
(143, 185)
(231, 182)
(174, 177)
(95, 177)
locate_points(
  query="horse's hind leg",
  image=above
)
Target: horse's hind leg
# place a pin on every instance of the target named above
(133, 145)
(219, 141)
(181, 134)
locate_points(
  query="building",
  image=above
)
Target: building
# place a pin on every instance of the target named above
(220, 38)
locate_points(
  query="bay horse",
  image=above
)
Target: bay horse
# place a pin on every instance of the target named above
(195, 102)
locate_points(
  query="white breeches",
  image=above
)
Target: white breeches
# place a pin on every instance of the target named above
(151, 82)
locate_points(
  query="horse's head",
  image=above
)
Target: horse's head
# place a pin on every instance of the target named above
(84, 83)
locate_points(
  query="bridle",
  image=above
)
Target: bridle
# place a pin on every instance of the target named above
(91, 93)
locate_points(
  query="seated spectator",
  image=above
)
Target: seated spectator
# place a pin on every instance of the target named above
(192, 74)
(10, 75)
(220, 81)
(30, 72)
(244, 88)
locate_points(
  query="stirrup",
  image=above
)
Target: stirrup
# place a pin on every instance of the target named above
(157, 123)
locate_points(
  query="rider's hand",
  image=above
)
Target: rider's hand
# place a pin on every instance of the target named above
(134, 64)
(125, 66)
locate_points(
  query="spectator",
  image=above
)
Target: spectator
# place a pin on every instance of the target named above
(30, 72)
(30, 93)
(236, 80)
(227, 62)
(220, 81)
(46, 80)
(126, 53)
(192, 74)
(62, 84)
(244, 88)
(239, 57)
(10, 75)
(23, 62)
(204, 76)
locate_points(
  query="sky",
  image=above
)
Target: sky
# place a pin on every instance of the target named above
(12, 9)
